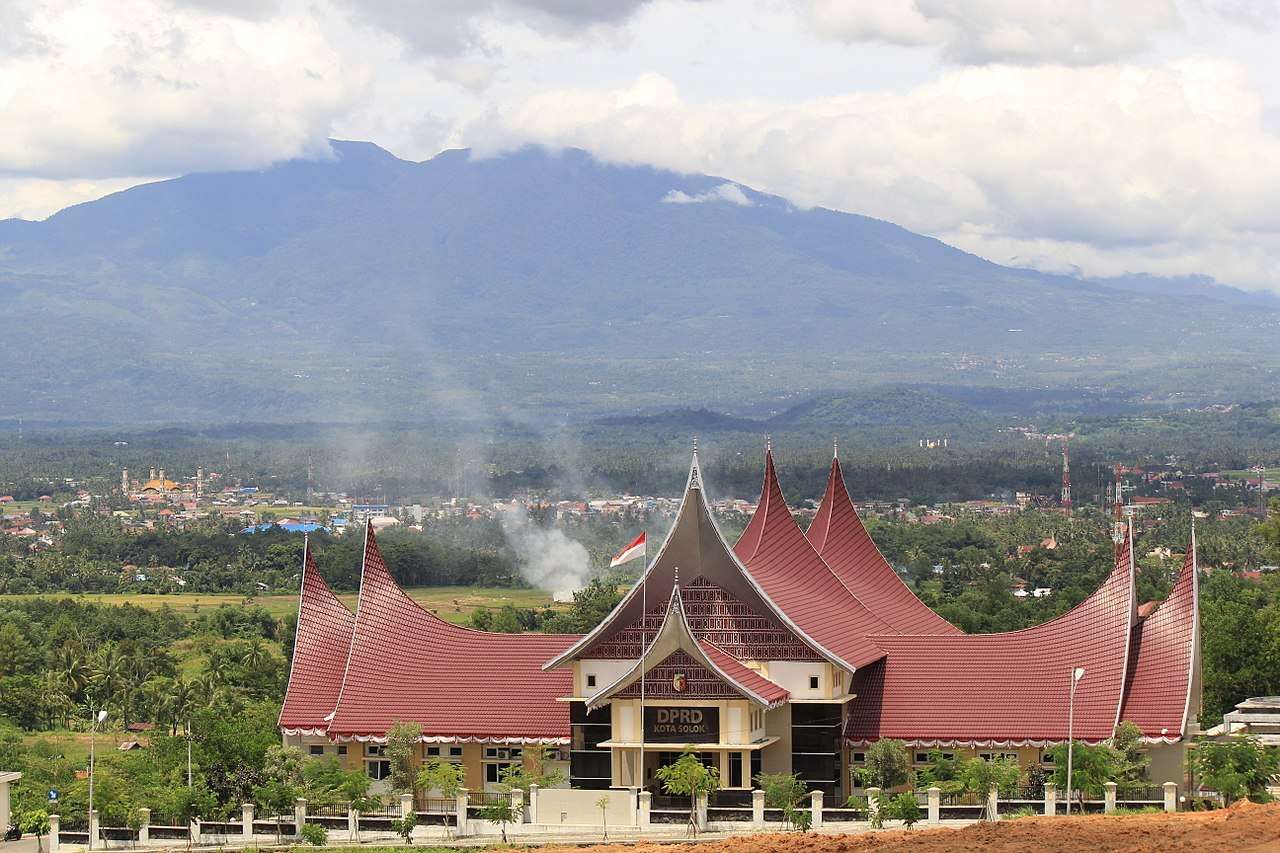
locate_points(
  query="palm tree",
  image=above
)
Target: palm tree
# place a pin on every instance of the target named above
(108, 676)
(73, 668)
(181, 701)
(54, 699)
(254, 656)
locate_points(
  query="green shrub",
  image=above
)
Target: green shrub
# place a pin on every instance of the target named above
(1025, 811)
(314, 834)
(903, 807)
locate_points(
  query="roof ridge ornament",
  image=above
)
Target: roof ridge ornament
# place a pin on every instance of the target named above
(835, 448)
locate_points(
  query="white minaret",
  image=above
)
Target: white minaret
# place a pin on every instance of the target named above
(124, 481)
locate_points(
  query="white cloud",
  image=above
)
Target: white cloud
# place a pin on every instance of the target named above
(137, 87)
(1165, 167)
(37, 198)
(727, 191)
(1077, 32)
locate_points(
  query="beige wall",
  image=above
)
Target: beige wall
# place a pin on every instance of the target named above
(4, 806)
(579, 807)
(777, 756)
(1168, 764)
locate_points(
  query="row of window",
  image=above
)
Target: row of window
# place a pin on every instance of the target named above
(924, 757)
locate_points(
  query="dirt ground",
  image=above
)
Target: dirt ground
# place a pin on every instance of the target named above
(1243, 828)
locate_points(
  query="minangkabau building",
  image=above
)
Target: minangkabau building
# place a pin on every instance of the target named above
(790, 651)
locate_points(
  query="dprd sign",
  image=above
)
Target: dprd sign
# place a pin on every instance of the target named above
(681, 725)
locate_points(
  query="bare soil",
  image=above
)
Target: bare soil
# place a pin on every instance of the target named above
(1243, 828)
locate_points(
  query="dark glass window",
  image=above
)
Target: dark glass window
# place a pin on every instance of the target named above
(735, 769)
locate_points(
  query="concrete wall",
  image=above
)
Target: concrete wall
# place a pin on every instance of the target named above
(777, 756)
(579, 807)
(1168, 764)
(4, 803)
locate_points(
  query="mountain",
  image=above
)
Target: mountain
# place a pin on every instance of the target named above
(366, 286)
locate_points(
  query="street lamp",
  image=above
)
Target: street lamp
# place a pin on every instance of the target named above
(99, 717)
(1076, 675)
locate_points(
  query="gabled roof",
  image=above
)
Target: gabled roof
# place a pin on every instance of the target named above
(406, 664)
(840, 538)
(777, 554)
(321, 639)
(674, 635)
(1009, 688)
(694, 546)
(1163, 664)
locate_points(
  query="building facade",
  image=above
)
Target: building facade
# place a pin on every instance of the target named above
(789, 651)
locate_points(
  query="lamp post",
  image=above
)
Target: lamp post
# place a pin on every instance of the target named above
(93, 744)
(1076, 674)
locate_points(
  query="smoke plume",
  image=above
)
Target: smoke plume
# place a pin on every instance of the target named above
(547, 558)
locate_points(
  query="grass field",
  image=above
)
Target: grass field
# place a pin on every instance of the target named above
(453, 603)
(1272, 474)
(24, 507)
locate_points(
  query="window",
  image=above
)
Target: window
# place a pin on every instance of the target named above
(1046, 757)
(858, 758)
(813, 682)
(498, 759)
(375, 749)
(342, 749)
(378, 769)
(735, 770)
(455, 752)
(986, 756)
(923, 757)
(591, 681)
(433, 752)
(317, 749)
(1009, 756)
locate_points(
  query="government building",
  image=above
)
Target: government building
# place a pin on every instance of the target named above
(788, 651)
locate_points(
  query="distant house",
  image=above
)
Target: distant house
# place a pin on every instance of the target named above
(6, 499)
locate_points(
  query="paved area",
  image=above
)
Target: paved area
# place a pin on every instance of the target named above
(26, 845)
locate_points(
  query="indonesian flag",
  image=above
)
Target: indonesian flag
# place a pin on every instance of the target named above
(629, 553)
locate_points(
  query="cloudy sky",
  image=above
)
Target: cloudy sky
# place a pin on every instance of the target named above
(1103, 137)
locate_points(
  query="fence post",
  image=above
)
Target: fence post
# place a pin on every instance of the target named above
(532, 811)
(144, 825)
(700, 809)
(815, 808)
(873, 802)
(633, 800)
(757, 809)
(406, 805)
(1109, 797)
(54, 824)
(993, 803)
(93, 828)
(1171, 796)
(1050, 799)
(935, 805)
(299, 815)
(645, 813)
(353, 823)
(461, 806)
(246, 822)
(517, 803)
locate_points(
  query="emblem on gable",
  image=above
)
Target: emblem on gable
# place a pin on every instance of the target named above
(679, 682)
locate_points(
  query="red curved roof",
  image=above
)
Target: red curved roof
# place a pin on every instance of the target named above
(1003, 688)
(1162, 664)
(840, 538)
(771, 692)
(406, 664)
(321, 640)
(776, 553)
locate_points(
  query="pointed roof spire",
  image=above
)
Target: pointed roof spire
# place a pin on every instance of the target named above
(768, 443)
(835, 447)
(322, 638)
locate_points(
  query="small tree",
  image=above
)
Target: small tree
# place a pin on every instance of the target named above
(904, 807)
(887, 765)
(941, 771)
(355, 789)
(688, 776)
(190, 803)
(603, 805)
(35, 822)
(502, 811)
(1131, 761)
(404, 827)
(1237, 767)
(1092, 766)
(784, 791)
(521, 777)
(445, 777)
(314, 834)
(979, 776)
(401, 750)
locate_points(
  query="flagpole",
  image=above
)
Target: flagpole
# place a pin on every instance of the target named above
(644, 633)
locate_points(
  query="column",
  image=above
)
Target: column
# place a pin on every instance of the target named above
(93, 828)
(144, 825)
(1109, 797)
(517, 804)
(299, 814)
(633, 799)
(815, 808)
(55, 822)
(1050, 799)
(645, 811)
(993, 803)
(246, 822)
(406, 804)
(353, 824)
(757, 809)
(935, 805)
(873, 802)
(461, 808)
(532, 811)
(1171, 796)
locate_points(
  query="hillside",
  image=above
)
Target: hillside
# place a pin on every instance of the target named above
(366, 286)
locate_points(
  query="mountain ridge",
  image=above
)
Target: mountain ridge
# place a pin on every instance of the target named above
(543, 281)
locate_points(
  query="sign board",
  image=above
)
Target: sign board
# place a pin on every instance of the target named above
(53, 795)
(681, 725)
